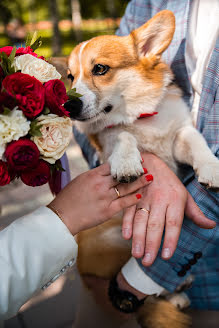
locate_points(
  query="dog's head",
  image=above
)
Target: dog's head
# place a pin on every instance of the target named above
(121, 77)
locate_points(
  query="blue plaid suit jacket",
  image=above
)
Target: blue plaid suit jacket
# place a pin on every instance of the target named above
(193, 241)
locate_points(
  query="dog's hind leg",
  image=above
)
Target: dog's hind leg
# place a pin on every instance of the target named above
(191, 148)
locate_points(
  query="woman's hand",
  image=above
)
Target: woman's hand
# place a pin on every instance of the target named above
(91, 198)
(166, 200)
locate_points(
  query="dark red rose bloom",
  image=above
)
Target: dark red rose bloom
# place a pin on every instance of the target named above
(56, 96)
(22, 154)
(20, 51)
(28, 91)
(4, 174)
(6, 101)
(38, 176)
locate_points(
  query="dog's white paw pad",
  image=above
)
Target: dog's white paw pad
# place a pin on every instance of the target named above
(126, 170)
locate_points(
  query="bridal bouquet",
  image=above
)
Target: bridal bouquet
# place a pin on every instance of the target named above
(35, 128)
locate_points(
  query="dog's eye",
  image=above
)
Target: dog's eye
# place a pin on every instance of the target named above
(71, 77)
(100, 69)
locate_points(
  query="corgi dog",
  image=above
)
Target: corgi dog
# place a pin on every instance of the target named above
(122, 79)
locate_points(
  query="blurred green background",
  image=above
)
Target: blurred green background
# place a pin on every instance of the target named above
(61, 23)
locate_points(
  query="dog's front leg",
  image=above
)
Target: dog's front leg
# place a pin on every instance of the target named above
(124, 157)
(191, 148)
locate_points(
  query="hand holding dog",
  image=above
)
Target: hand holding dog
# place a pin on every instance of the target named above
(167, 200)
(91, 198)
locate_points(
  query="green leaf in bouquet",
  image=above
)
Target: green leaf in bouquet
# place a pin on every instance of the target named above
(36, 44)
(35, 129)
(72, 94)
(58, 166)
(12, 54)
(6, 63)
(46, 111)
(6, 111)
(28, 40)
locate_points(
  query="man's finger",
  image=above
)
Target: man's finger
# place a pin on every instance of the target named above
(196, 215)
(127, 222)
(174, 219)
(139, 232)
(155, 229)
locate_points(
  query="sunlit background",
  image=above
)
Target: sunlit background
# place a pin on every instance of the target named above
(62, 24)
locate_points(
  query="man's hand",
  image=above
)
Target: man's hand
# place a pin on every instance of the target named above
(167, 200)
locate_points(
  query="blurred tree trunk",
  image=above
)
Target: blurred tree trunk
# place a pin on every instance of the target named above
(76, 19)
(56, 38)
(32, 11)
(111, 8)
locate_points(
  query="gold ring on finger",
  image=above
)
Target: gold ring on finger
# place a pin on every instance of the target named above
(143, 209)
(117, 192)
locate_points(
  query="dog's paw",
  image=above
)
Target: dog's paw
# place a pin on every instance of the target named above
(179, 300)
(208, 175)
(126, 168)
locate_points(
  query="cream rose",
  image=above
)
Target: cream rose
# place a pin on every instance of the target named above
(36, 67)
(12, 127)
(56, 135)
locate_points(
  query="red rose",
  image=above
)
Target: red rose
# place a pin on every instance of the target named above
(22, 154)
(20, 51)
(38, 176)
(7, 50)
(28, 91)
(4, 174)
(6, 101)
(56, 96)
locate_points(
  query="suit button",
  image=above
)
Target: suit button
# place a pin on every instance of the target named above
(198, 255)
(181, 273)
(192, 261)
(186, 267)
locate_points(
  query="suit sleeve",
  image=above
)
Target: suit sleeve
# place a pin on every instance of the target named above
(34, 251)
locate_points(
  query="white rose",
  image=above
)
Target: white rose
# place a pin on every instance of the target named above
(56, 135)
(12, 127)
(36, 67)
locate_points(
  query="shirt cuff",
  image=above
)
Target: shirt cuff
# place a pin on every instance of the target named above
(139, 280)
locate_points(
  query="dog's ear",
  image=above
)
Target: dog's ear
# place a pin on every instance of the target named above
(61, 64)
(154, 37)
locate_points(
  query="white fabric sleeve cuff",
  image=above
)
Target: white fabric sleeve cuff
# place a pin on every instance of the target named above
(136, 277)
(35, 250)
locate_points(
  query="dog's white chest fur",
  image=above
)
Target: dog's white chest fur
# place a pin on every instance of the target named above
(154, 134)
(169, 135)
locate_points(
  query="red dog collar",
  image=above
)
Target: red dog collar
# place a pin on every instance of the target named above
(144, 115)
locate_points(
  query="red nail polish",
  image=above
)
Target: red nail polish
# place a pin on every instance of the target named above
(145, 170)
(138, 196)
(149, 177)
(142, 159)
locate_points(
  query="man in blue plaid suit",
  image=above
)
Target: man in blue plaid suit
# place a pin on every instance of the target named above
(197, 252)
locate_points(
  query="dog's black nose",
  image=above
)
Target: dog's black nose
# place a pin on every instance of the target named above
(74, 107)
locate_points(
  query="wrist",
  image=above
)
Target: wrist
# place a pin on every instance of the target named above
(123, 284)
(64, 216)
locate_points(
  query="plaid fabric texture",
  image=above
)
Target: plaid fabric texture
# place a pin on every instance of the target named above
(204, 293)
